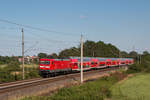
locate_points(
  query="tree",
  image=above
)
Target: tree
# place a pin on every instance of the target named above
(12, 66)
(89, 48)
(53, 56)
(124, 54)
(69, 52)
(92, 49)
(42, 55)
(145, 53)
(133, 54)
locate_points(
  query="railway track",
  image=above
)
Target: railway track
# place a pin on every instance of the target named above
(12, 86)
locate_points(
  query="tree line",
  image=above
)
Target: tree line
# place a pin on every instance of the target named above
(12, 70)
(92, 49)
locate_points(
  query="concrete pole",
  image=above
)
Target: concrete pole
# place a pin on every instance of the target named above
(22, 54)
(81, 59)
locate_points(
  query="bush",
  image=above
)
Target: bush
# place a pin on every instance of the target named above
(32, 74)
(93, 90)
(13, 72)
(12, 66)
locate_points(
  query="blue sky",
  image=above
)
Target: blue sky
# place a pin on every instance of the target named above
(124, 23)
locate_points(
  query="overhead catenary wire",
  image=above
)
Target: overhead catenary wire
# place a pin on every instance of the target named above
(48, 39)
(40, 29)
(30, 48)
(44, 39)
(36, 28)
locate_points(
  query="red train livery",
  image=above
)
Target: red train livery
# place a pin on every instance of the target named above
(53, 66)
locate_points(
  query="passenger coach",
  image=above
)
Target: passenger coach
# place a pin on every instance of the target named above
(48, 67)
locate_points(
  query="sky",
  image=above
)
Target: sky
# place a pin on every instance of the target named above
(123, 23)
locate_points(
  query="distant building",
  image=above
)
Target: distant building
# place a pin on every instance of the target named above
(28, 59)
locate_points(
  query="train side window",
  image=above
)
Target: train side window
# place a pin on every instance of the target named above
(75, 64)
(52, 62)
(92, 63)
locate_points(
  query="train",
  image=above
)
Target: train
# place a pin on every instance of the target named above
(51, 67)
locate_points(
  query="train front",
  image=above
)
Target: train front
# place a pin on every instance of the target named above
(45, 66)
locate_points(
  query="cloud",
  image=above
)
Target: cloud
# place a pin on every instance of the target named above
(83, 16)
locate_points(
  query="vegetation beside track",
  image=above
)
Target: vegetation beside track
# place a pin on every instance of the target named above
(10, 70)
(13, 72)
(93, 90)
(134, 88)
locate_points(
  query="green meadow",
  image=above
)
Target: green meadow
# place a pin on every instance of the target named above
(134, 88)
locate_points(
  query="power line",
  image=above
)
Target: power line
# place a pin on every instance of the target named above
(49, 39)
(30, 48)
(36, 28)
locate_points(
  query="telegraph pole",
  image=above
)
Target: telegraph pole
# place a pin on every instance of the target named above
(81, 59)
(22, 54)
(119, 58)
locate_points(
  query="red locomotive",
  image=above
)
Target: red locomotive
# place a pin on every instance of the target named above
(48, 67)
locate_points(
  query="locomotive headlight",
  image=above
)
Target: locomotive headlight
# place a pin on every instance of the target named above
(46, 66)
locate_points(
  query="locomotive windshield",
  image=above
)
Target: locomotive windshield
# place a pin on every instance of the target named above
(45, 62)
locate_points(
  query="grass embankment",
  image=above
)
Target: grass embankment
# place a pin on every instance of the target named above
(13, 72)
(2, 66)
(26, 66)
(134, 88)
(94, 90)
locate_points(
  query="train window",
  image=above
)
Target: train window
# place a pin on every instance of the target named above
(101, 64)
(122, 62)
(107, 62)
(52, 62)
(45, 62)
(75, 64)
(92, 63)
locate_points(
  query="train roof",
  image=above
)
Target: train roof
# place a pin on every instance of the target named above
(100, 58)
(89, 59)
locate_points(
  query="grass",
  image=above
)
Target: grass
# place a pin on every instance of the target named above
(26, 65)
(9, 73)
(134, 88)
(94, 90)
(30, 65)
(2, 66)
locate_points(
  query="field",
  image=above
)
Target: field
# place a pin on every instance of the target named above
(13, 72)
(134, 88)
(2, 66)
(93, 90)
(26, 65)
(30, 65)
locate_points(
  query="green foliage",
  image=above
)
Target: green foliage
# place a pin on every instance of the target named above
(145, 53)
(134, 88)
(12, 66)
(31, 73)
(42, 55)
(93, 90)
(141, 65)
(124, 54)
(69, 52)
(92, 49)
(4, 60)
(12, 72)
(52, 56)
(135, 68)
